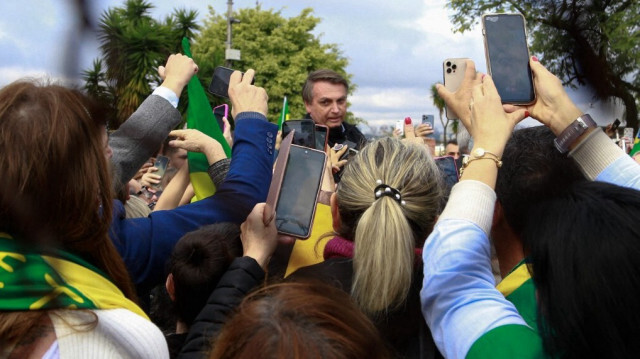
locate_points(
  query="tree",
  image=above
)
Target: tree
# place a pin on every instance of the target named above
(133, 45)
(582, 42)
(282, 51)
(438, 102)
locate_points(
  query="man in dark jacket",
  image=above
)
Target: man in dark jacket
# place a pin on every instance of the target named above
(325, 98)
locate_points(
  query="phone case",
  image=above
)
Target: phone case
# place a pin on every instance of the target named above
(278, 171)
(313, 214)
(453, 70)
(400, 127)
(488, 55)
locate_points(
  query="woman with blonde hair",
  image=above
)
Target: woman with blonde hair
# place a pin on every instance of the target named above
(384, 207)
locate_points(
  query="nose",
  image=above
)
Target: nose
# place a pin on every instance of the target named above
(335, 108)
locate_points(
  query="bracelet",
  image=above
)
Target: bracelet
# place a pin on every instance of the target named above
(480, 154)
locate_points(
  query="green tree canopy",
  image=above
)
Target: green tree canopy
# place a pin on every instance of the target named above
(281, 50)
(582, 42)
(133, 45)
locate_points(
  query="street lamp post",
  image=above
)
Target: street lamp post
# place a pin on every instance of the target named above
(230, 54)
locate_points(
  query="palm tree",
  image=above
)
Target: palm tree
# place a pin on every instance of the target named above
(133, 45)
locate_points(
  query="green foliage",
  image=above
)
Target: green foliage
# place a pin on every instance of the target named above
(582, 42)
(438, 102)
(281, 50)
(133, 45)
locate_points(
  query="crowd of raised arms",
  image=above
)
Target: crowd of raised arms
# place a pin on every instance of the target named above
(101, 257)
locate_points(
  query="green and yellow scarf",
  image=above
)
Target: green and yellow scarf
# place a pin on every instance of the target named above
(35, 280)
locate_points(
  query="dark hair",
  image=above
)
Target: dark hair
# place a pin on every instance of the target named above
(299, 320)
(584, 252)
(318, 76)
(452, 142)
(198, 261)
(55, 187)
(532, 170)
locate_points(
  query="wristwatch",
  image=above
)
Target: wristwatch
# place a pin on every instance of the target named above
(571, 133)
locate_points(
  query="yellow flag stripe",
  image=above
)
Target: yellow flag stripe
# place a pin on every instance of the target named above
(514, 280)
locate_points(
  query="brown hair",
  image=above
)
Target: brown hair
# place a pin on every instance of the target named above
(299, 320)
(321, 75)
(55, 188)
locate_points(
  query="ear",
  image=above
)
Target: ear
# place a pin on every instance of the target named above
(170, 287)
(335, 214)
(307, 106)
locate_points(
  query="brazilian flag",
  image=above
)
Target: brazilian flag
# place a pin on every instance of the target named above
(200, 117)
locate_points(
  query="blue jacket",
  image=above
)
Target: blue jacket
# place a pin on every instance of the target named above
(145, 244)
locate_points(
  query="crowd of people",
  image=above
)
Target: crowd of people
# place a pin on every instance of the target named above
(102, 257)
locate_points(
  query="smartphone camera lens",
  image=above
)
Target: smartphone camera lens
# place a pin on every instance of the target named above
(454, 66)
(448, 63)
(449, 70)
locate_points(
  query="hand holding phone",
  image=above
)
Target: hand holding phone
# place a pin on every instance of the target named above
(219, 112)
(453, 70)
(161, 164)
(507, 56)
(219, 85)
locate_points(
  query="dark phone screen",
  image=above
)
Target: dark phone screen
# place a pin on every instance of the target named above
(300, 185)
(305, 132)
(449, 169)
(321, 137)
(219, 112)
(508, 57)
(219, 85)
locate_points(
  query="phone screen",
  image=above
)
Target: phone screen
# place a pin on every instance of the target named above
(219, 85)
(219, 112)
(321, 133)
(429, 119)
(297, 201)
(508, 57)
(161, 164)
(305, 132)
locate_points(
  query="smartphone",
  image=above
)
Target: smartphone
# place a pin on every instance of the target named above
(429, 119)
(400, 127)
(615, 125)
(449, 170)
(301, 184)
(351, 150)
(322, 136)
(161, 164)
(507, 54)
(219, 85)
(219, 112)
(304, 132)
(453, 70)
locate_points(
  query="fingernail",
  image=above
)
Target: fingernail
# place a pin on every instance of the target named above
(483, 75)
(534, 58)
(526, 114)
(407, 120)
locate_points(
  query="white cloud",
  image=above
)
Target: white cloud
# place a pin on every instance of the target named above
(9, 74)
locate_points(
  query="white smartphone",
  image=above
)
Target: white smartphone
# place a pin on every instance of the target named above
(453, 74)
(400, 127)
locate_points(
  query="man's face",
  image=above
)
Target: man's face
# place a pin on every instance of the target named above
(329, 104)
(452, 150)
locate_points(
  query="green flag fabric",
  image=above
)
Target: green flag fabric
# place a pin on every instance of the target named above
(200, 117)
(284, 115)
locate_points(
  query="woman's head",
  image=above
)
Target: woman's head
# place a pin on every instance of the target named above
(386, 230)
(584, 252)
(299, 320)
(55, 186)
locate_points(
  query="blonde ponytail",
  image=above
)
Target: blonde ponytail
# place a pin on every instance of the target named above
(386, 230)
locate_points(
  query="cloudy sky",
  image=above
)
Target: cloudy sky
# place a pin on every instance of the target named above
(395, 49)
